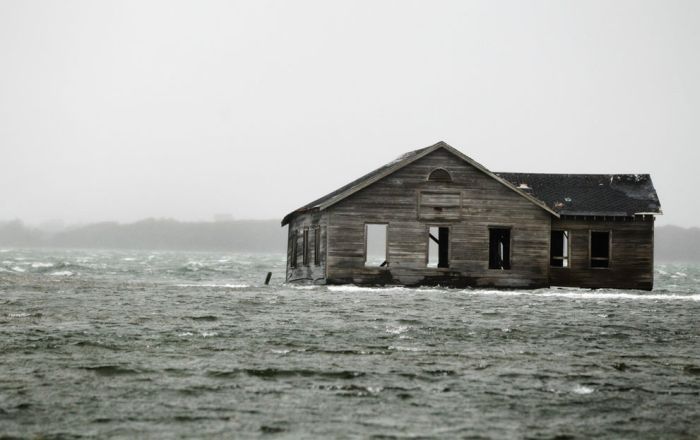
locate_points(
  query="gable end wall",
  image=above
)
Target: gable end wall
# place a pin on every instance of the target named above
(484, 202)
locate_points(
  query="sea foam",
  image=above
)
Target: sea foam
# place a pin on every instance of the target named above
(580, 389)
(588, 295)
(214, 285)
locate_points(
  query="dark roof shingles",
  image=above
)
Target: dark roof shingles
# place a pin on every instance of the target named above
(591, 194)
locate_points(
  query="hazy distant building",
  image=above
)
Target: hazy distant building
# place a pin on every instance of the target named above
(224, 217)
(438, 217)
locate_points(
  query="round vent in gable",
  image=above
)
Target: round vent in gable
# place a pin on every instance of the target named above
(440, 175)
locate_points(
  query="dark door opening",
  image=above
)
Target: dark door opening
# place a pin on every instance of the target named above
(438, 246)
(600, 249)
(499, 248)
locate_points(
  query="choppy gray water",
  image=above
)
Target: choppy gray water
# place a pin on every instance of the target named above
(163, 345)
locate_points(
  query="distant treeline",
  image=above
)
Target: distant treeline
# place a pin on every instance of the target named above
(164, 234)
(672, 243)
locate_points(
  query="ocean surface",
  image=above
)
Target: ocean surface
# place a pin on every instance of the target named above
(110, 344)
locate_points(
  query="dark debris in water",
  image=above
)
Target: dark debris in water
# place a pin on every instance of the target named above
(112, 370)
(203, 318)
(620, 366)
(274, 373)
(692, 370)
(271, 429)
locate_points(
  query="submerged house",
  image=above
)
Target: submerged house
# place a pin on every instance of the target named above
(439, 217)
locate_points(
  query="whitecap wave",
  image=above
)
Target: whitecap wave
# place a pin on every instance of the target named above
(396, 330)
(303, 287)
(581, 389)
(217, 286)
(61, 273)
(587, 295)
(40, 264)
(404, 348)
(354, 288)
(18, 269)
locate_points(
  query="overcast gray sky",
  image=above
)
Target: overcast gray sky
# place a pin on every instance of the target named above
(122, 110)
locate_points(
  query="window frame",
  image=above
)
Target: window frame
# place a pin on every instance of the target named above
(590, 249)
(386, 245)
(317, 245)
(305, 247)
(567, 257)
(510, 246)
(294, 260)
(449, 245)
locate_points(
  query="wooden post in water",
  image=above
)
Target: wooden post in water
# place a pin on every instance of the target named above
(267, 278)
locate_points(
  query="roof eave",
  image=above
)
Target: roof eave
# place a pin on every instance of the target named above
(287, 218)
(362, 185)
(402, 163)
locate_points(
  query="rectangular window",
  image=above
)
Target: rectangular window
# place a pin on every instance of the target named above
(499, 248)
(600, 248)
(375, 245)
(438, 246)
(559, 249)
(293, 249)
(305, 248)
(317, 246)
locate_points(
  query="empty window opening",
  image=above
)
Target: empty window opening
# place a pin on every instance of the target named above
(317, 246)
(440, 175)
(438, 246)
(559, 249)
(293, 250)
(375, 245)
(499, 248)
(600, 249)
(305, 248)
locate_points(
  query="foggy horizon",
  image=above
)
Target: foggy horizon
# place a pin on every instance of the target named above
(122, 111)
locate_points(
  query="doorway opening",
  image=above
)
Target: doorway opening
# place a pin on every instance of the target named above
(499, 248)
(600, 249)
(375, 245)
(438, 246)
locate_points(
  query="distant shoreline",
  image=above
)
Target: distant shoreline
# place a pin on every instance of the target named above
(153, 234)
(673, 244)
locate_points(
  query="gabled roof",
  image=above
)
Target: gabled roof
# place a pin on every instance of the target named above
(400, 162)
(591, 194)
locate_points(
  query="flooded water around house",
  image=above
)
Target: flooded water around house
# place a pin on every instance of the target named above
(111, 344)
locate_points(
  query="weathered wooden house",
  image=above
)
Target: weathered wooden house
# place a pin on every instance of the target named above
(439, 217)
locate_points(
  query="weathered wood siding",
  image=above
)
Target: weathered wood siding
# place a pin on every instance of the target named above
(472, 202)
(309, 272)
(631, 255)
